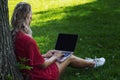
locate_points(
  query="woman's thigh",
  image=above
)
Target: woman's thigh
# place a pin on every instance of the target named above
(63, 65)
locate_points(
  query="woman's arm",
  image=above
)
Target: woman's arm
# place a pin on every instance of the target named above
(49, 53)
(52, 59)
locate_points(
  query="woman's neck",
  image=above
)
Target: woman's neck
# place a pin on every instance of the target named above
(28, 34)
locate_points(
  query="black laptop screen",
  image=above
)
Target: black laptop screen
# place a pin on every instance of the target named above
(66, 42)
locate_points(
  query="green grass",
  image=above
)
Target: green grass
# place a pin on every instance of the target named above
(97, 22)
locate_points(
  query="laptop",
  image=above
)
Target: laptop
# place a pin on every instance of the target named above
(66, 43)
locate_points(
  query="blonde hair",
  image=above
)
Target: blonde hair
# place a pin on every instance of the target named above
(19, 16)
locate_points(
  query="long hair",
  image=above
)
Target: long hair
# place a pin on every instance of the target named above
(18, 19)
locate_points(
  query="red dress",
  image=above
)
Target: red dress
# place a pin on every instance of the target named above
(26, 49)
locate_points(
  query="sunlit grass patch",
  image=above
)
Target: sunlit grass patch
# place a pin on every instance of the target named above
(39, 6)
(44, 5)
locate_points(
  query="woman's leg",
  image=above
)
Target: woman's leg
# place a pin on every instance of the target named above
(75, 62)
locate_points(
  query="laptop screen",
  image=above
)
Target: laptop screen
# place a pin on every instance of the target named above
(66, 42)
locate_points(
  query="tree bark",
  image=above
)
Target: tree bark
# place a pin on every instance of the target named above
(8, 70)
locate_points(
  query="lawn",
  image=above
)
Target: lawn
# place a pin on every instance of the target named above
(97, 22)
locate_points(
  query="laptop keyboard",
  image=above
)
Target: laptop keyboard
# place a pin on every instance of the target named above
(66, 54)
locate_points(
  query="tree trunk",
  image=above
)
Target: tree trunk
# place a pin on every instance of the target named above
(8, 71)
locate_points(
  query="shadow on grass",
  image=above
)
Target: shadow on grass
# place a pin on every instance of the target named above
(96, 23)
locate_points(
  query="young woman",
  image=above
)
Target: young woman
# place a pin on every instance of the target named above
(27, 51)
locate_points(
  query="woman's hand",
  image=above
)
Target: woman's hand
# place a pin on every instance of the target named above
(58, 54)
(54, 53)
(49, 54)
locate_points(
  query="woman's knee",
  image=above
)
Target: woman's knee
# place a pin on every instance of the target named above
(72, 58)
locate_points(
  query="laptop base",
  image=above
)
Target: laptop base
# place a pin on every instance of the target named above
(65, 56)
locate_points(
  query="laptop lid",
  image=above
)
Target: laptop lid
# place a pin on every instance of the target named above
(66, 42)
